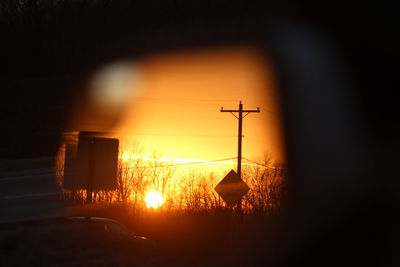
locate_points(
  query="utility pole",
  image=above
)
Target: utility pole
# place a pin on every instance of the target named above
(240, 118)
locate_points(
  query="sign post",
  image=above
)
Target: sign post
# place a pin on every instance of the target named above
(231, 189)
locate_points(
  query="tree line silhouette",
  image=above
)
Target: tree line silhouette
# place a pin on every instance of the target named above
(191, 190)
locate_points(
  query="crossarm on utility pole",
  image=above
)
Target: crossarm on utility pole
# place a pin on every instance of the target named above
(233, 110)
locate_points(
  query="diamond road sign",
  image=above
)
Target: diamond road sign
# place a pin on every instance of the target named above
(232, 188)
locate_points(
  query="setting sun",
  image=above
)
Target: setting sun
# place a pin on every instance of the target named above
(154, 200)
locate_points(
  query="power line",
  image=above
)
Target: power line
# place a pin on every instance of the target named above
(202, 101)
(161, 134)
(254, 140)
(260, 141)
(272, 118)
(188, 99)
(188, 163)
(262, 165)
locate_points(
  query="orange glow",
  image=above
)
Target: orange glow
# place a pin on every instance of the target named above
(154, 200)
(170, 104)
(165, 111)
(176, 108)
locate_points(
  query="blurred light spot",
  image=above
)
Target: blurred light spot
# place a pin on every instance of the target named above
(114, 85)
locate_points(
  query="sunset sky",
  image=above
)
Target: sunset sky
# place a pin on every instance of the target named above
(170, 104)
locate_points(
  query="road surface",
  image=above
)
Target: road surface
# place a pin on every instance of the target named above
(29, 194)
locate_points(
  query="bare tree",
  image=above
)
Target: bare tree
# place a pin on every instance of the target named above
(159, 176)
(197, 191)
(267, 182)
(131, 174)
